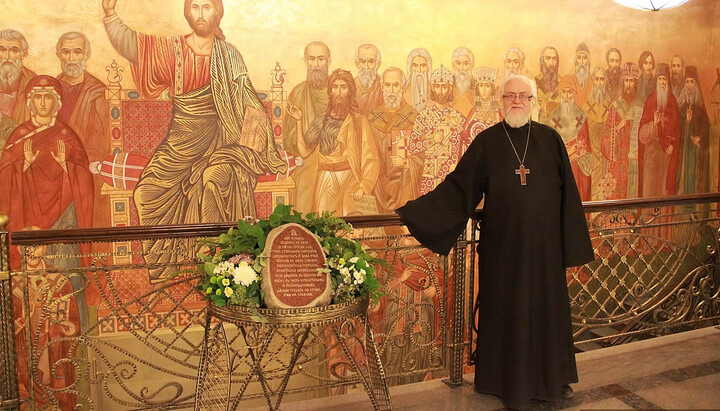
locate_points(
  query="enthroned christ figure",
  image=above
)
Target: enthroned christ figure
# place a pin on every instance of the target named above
(206, 168)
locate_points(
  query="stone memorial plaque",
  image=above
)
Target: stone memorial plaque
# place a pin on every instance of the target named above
(291, 278)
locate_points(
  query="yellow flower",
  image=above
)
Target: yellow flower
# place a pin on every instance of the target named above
(226, 282)
(228, 292)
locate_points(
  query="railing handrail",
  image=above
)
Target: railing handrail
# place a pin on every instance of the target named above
(130, 233)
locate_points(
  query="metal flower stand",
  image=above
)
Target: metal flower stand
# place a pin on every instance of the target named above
(287, 331)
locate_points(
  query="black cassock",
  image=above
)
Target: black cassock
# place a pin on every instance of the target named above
(528, 235)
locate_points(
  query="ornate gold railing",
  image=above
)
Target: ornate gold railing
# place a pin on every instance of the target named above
(89, 327)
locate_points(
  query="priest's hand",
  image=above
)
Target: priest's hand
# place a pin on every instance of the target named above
(688, 113)
(358, 195)
(398, 162)
(30, 157)
(696, 140)
(295, 112)
(109, 7)
(669, 150)
(621, 124)
(61, 157)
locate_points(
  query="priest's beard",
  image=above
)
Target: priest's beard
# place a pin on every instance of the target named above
(339, 107)
(9, 73)
(367, 77)
(441, 98)
(317, 77)
(463, 80)
(677, 80)
(203, 30)
(628, 93)
(597, 96)
(510, 71)
(581, 74)
(517, 118)
(419, 87)
(567, 106)
(71, 69)
(662, 97)
(392, 100)
(549, 78)
(690, 97)
(614, 75)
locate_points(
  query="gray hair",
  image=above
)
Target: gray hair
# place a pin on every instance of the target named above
(525, 79)
(464, 51)
(72, 35)
(10, 34)
(516, 50)
(389, 69)
(366, 46)
(422, 53)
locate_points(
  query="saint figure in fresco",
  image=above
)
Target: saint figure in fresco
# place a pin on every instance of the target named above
(613, 58)
(419, 67)
(367, 61)
(348, 160)
(486, 111)
(206, 168)
(85, 108)
(572, 125)
(616, 136)
(45, 170)
(464, 88)
(597, 108)
(14, 76)
(677, 75)
(311, 97)
(581, 75)
(435, 146)
(693, 154)
(646, 81)
(392, 124)
(548, 97)
(658, 136)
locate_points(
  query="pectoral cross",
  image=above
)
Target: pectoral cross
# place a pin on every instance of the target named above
(522, 172)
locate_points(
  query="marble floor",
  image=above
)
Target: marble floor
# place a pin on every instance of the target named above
(674, 372)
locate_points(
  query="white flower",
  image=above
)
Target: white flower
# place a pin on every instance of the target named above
(354, 260)
(228, 292)
(244, 274)
(359, 277)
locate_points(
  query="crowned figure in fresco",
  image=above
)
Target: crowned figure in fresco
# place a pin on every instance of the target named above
(486, 111)
(434, 146)
(206, 168)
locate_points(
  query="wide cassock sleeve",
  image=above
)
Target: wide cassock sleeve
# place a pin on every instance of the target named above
(577, 248)
(437, 218)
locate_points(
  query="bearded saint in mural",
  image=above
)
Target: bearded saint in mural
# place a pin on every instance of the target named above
(206, 168)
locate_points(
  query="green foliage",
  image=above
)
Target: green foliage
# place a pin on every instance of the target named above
(350, 267)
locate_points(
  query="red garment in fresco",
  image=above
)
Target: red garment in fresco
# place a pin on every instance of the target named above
(615, 146)
(155, 70)
(665, 134)
(38, 195)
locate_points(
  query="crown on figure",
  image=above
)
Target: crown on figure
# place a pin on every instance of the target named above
(441, 75)
(630, 70)
(486, 74)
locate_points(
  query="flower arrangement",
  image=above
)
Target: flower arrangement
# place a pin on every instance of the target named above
(231, 276)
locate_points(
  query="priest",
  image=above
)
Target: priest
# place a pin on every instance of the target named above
(533, 227)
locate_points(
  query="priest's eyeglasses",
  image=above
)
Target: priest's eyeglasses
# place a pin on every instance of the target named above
(512, 96)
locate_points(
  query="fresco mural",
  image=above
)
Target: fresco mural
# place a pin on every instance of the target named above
(136, 112)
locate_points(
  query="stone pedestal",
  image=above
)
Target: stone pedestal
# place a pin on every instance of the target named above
(291, 279)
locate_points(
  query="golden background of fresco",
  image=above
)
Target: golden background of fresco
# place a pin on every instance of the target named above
(277, 30)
